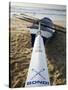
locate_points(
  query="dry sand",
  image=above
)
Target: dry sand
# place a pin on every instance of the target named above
(20, 54)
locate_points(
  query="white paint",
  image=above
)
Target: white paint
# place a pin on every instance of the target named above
(45, 34)
(38, 64)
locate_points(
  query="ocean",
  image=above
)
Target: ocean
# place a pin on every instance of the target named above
(55, 14)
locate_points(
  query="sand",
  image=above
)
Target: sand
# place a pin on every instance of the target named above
(21, 49)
